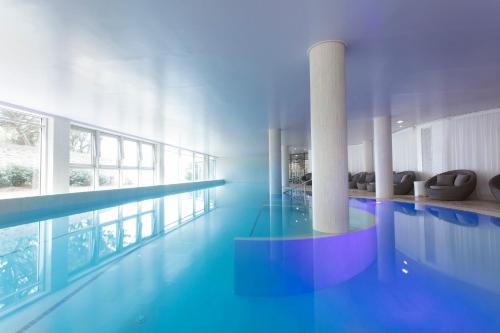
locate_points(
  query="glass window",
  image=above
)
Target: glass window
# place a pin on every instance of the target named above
(171, 165)
(107, 215)
(186, 166)
(186, 205)
(81, 179)
(108, 240)
(80, 221)
(146, 205)
(130, 209)
(79, 250)
(147, 225)
(20, 154)
(211, 198)
(199, 167)
(80, 146)
(129, 232)
(108, 178)
(130, 178)
(147, 155)
(199, 201)
(20, 257)
(130, 154)
(108, 150)
(171, 211)
(211, 168)
(147, 177)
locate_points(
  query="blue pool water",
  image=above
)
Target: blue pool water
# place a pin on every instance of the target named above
(226, 259)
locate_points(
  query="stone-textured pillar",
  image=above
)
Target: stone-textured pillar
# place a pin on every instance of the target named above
(382, 144)
(285, 165)
(368, 155)
(329, 137)
(274, 161)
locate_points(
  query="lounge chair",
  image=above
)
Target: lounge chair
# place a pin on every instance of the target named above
(403, 182)
(369, 178)
(306, 179)
(495, 187)
(455, 185)
(358, 177)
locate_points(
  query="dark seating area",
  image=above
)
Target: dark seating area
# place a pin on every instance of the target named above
(355, 179)
(494, 184)
(362, 184)
(403, 182)
(306, 179)
(455, 185)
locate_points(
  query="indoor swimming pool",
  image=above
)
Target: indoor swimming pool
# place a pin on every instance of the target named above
(228, 259)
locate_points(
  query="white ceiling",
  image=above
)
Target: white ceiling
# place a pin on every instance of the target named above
(214, 75)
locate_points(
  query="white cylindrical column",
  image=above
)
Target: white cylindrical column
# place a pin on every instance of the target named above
(368, 155)
(285, 161)
(274, 161)
(382, 144)
(58, 171)
(329, 137)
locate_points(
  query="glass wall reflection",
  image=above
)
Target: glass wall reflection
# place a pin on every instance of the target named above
(59, 251)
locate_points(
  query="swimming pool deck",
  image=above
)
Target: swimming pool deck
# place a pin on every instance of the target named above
(487, 207)
(477, 206)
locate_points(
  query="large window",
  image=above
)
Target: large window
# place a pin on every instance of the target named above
(171, 165)
(20, 153)
(81, 159)
(211, 168)
(147, 171)
(186, 166)
(104, 161)
(199, 167)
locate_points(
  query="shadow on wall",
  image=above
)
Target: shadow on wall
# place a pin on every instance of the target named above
(242, 169)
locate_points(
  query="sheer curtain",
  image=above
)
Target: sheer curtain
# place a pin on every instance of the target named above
(404, 150)
(474, 143)
(355, 157)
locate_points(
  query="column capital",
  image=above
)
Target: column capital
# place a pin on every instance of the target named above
(333, 41)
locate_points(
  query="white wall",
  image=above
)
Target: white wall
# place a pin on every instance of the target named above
(245, 168)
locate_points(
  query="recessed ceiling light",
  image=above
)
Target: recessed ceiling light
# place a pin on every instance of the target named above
(400, 126)
(400, 121)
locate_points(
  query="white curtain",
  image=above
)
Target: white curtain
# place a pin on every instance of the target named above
(474, 144)
(404, 150)
(355, 157)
